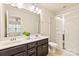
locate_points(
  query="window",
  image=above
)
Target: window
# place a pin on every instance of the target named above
(13, 26)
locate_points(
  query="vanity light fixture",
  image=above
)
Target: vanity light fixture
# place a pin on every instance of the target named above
(34, 9)
(13, 4)
(38, 10)
(19, 5)
(31, 8)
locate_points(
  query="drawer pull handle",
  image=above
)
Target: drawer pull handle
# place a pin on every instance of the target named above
(32, 51)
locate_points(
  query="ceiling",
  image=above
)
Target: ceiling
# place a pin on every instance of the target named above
(52, 7)
(56, 7)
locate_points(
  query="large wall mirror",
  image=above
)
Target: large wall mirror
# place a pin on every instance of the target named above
(13, 25)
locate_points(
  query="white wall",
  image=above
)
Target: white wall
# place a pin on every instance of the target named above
(47, 24)
(30, 21)
(59, 30)
(71, 27)
(72, 31)
(0, 21)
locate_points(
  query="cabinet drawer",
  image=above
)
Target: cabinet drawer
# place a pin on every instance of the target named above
(42, 41)
(30, 45)
(32, 51)
(21, 54)
(13, 50)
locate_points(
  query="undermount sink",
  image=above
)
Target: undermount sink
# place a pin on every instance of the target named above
(14, 41)
(9, 42)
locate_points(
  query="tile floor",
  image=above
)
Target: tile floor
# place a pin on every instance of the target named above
(60, 53)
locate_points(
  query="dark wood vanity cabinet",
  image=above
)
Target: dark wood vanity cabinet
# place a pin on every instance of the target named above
(21, 54)
(31, 49)
(37, 48)
(32, 52)
(14, 51)
(42, 48)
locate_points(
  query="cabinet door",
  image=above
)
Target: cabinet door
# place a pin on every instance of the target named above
(31, 45)
(32, 51)
(42, 50)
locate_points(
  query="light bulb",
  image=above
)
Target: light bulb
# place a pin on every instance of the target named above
(39, 11)
(31, 8)
(20, 5)
(13, 4)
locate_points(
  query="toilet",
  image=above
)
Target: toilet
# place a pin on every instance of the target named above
(53, 46)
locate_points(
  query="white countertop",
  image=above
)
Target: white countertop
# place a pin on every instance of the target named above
(9, 43)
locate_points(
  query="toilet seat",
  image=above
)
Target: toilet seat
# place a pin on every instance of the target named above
(53, 44)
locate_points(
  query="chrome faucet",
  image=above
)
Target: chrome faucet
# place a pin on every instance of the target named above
(12, 39)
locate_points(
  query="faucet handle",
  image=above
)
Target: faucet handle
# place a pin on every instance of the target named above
(13, 39)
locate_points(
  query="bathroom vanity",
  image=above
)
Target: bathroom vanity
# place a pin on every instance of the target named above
(35, 47)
